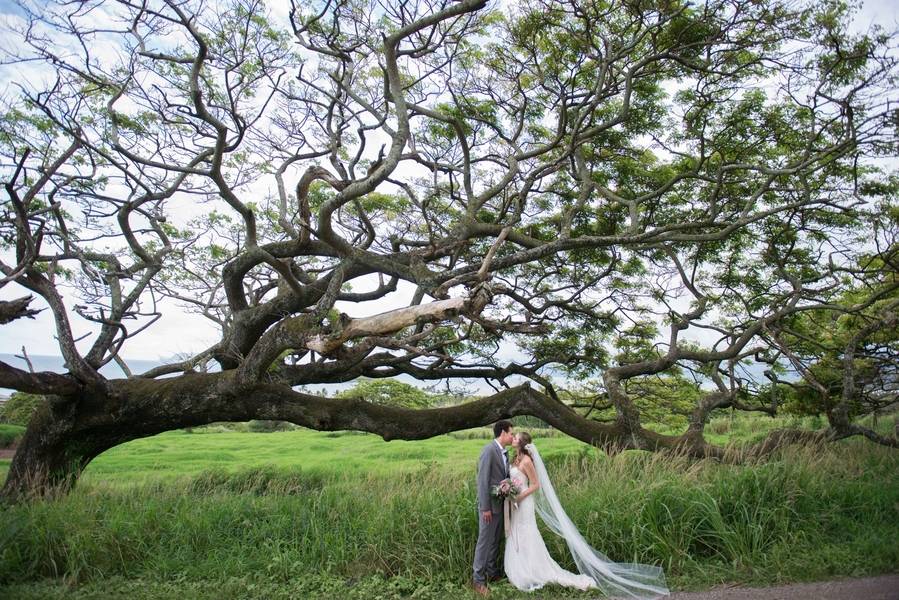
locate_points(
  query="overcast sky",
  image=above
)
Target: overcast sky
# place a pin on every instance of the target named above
(180, 333)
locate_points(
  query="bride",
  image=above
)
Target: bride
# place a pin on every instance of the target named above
(528, 564)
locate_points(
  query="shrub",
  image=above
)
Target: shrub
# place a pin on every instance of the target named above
(486, 433)
(19, 408)
(268, 426)
(10, 434)
(390, 392)
(219, 427)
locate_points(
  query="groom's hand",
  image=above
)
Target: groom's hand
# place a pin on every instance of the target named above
(487, 516)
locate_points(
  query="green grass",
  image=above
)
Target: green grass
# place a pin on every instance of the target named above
(311, 514)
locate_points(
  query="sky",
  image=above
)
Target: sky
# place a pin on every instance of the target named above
(180, 333)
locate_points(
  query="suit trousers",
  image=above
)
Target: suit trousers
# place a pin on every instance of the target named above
(486, 552)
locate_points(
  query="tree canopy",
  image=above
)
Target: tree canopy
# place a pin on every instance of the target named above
(594, 191)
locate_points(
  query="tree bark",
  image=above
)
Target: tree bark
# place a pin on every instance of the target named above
(67, 432)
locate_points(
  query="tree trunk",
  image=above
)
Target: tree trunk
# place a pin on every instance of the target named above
(67, 432)
(53, 452)
(47, 460)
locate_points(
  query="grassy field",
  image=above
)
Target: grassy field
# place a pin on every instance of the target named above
(311, 514)
(177, 454)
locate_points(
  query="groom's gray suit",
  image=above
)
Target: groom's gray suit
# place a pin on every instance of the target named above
(492, 468)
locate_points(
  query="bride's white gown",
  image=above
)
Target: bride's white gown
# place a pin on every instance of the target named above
(527, 562)
(529, 566)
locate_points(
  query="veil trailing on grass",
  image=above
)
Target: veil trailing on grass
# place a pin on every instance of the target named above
(620, 580)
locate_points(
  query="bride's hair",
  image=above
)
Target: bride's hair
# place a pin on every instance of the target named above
(524, 438)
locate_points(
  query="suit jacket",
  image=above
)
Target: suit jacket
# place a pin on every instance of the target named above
(491, 470)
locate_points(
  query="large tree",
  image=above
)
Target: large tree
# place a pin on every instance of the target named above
(605, 191)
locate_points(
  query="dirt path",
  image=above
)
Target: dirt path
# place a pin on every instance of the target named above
(885, 587)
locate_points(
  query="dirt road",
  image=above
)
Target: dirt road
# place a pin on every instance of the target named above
(885, 587)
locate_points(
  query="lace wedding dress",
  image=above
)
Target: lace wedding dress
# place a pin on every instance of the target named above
(529, 566)
(527, 562)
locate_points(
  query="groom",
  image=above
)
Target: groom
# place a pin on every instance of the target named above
(493, 467)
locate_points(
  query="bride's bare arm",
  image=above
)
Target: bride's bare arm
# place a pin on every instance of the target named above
(527, 465)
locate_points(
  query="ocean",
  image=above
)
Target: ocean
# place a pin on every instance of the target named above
(112, 371)
(55, 365)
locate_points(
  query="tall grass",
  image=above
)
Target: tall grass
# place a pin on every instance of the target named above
(809, 514)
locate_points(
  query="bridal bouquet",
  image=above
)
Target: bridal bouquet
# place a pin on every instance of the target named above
(505, 489)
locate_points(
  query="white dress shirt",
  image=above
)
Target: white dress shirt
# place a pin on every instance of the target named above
(505, 456)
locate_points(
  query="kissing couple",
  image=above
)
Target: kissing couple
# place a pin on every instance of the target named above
(510, 495)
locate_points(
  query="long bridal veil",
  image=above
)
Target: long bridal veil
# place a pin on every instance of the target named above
(620, 580)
